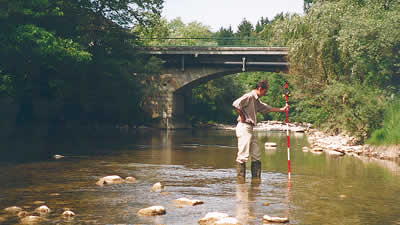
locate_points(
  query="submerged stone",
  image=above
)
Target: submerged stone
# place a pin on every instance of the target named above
(130, 180)
(39, 202)
(13, 209)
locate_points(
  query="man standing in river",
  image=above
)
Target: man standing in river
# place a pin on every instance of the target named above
(247, 107)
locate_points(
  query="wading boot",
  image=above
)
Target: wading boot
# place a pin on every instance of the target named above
(241, 171)
(256, 169)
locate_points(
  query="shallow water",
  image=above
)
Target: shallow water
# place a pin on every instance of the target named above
(199, 164)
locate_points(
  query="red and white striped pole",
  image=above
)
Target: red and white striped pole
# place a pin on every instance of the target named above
(287, 127)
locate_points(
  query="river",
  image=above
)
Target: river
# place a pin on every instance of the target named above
(196, 164)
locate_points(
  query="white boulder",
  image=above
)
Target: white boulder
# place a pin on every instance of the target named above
(228, 221)
(58, 156)
(32, 220)
(334, 153)
(113, 179)
(43, 209)
(157, 187)
(275, 219)
(212, 217)
(186, 201)
(68, 213)
(152, 211)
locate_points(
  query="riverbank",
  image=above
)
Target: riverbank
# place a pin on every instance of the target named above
(321, 142)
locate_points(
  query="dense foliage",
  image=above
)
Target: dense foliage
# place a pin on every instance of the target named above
(345, 62)
(69, 62)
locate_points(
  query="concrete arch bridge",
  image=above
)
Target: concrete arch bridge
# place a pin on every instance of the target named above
(186, 67)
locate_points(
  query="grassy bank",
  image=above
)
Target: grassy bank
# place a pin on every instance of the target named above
(389, 134)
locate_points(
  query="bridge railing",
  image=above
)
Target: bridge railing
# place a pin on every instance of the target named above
(205, 42)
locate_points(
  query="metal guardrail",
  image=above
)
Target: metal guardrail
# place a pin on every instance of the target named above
(205, 42)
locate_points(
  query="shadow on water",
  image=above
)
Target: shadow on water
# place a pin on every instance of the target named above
(196, 164)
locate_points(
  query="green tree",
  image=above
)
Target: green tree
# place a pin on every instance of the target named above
(176, 32)
(261, 24)
(73, 56)
(245, 29)
(225, 36)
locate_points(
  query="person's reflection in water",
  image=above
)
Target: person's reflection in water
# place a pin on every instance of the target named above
(166, 143)
(242, 206)
(246, 198)
(253, 193)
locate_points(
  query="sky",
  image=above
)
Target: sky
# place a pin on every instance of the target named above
(222, 13)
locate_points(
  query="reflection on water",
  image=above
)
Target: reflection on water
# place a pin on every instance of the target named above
(197, 164)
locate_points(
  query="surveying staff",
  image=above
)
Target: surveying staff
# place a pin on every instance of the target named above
(247, 107)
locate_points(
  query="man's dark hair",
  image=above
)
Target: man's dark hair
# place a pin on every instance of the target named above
(262, 84)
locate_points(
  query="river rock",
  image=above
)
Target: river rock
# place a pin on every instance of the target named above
(275, 219)
(212, 217)
(13, 209)
(58, 156)
(228, 221)
(68, 213)
(157, 187)
(23, 214)
(334, 153)
(152, 211)
(113, 179)
(186, 201)
(43, 210)
(130, 180)
(32, 220)
(270, 144)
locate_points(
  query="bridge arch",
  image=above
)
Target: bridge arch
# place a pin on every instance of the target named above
(186, 68)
